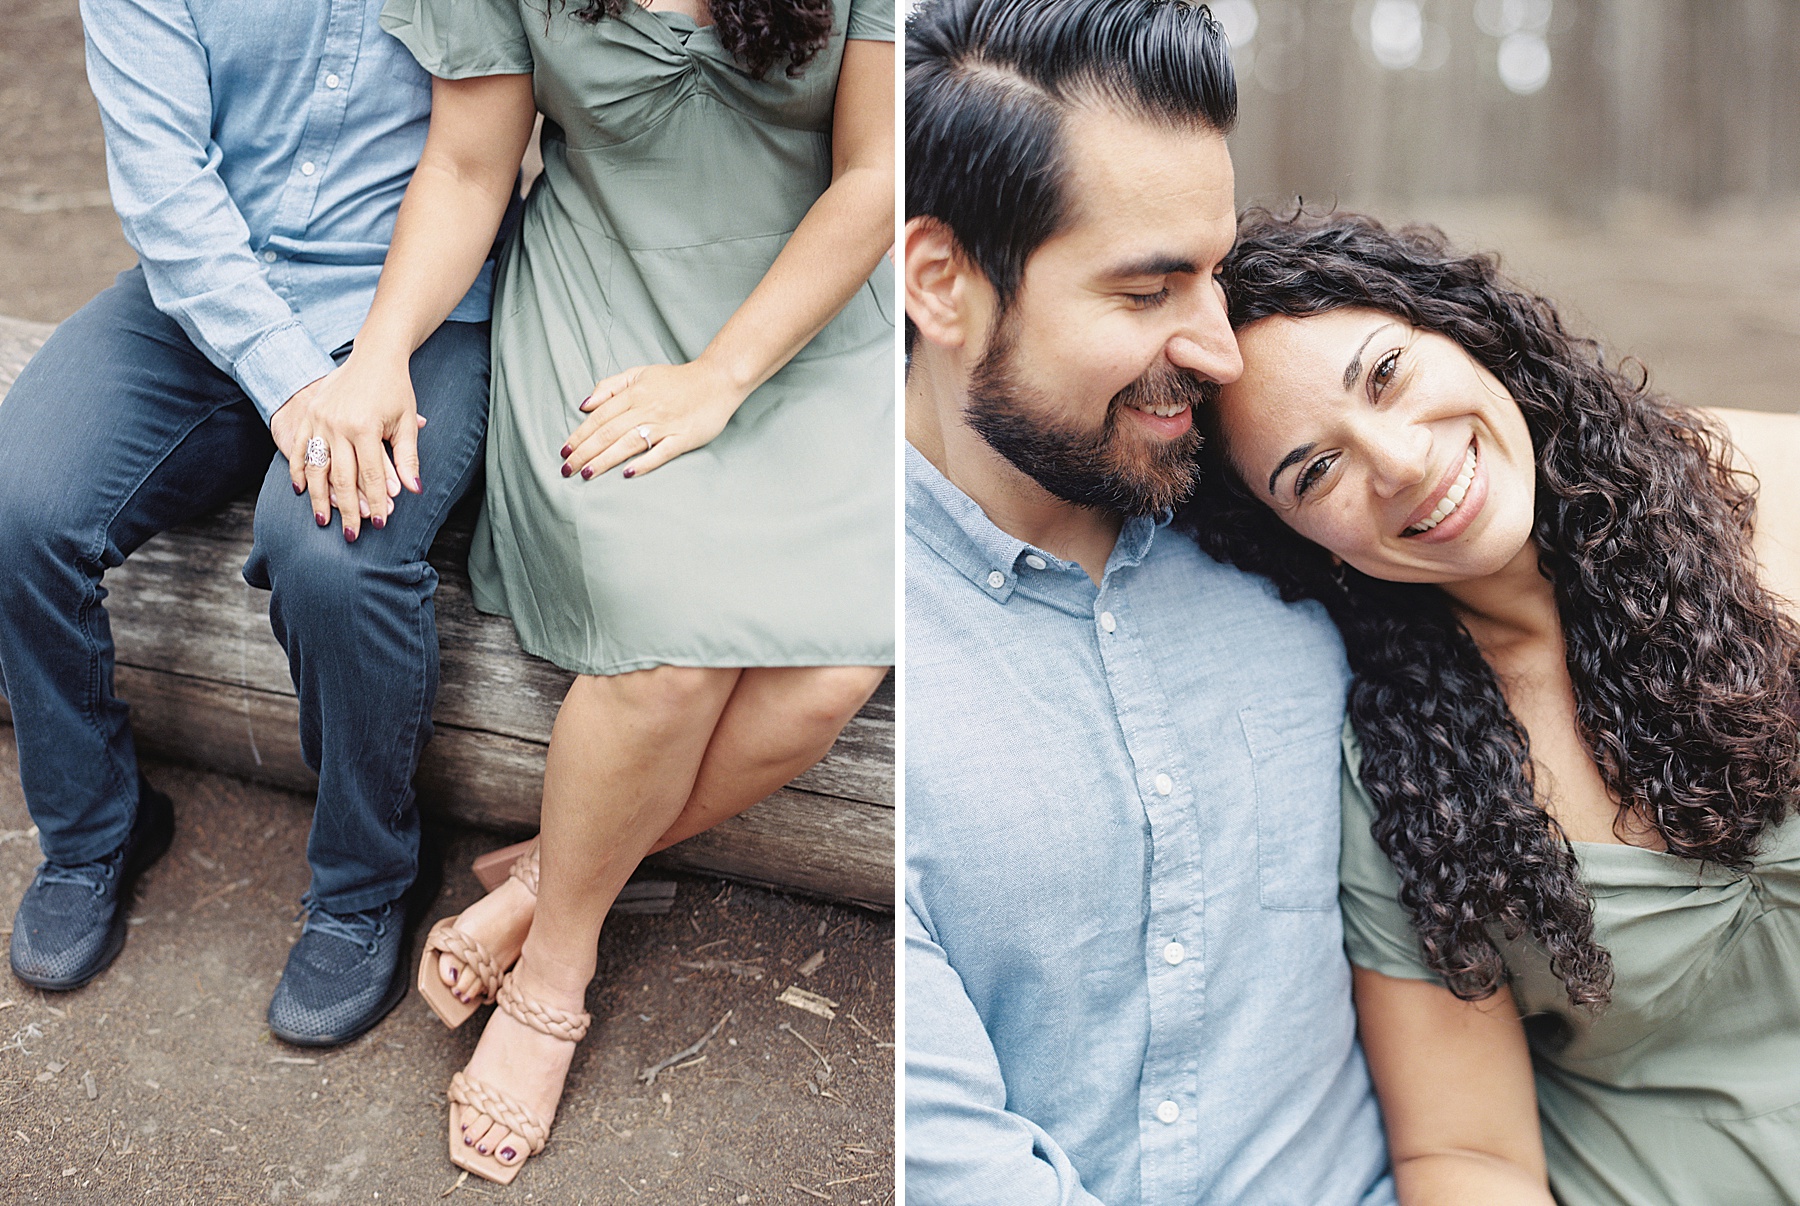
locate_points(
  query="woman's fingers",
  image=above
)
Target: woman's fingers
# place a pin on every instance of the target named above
(372, 474)
(608, 387)
(318, 484)
(612, 445)
(342, 475)
(666, 450)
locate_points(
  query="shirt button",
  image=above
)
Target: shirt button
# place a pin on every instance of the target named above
(1164, 785)
(1107, 622)
(1168, 1111)
(308, 168)
(996, 579)
(331, 81)
(1036, 562)
(268, 257)
(1173, 953)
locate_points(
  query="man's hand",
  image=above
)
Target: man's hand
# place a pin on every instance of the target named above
(359, 411)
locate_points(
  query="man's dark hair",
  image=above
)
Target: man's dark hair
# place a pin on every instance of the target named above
(988, 83)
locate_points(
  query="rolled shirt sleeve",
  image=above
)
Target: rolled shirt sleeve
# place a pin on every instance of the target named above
(962, 1144)
(149, 73)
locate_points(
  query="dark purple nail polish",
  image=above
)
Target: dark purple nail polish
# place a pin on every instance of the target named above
(416, 486)
(566, 450)
(587, 473)
(568, 469)
(322, 519)
(631, 473)
(378, 521)
(507, 1153)
(482, 1148)
(349, 536)
(467, 1142)
(453, 975)
(300, 489)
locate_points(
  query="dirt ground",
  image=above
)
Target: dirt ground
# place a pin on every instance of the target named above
(159, 1082)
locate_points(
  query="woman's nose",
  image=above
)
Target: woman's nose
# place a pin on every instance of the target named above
(1399, 458)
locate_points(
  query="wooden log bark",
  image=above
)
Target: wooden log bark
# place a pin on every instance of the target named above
(209, 685)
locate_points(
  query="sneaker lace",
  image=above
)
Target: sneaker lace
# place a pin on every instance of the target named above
(363, 929)
(93, 876)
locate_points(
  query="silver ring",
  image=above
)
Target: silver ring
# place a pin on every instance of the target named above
(644, 435)
(317, 454)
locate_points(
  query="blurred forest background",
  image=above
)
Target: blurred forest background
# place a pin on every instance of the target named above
(1638, 161)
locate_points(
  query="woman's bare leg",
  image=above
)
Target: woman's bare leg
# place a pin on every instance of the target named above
(624, 755)
(777, 723)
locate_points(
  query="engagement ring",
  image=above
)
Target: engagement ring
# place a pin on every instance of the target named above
(317, 455)
(644, 435)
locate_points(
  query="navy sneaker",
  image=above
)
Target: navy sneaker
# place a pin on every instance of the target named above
(71, 921)
(349, 969)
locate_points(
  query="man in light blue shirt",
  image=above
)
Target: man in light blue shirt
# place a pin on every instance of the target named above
(1125, 978)
(257, 152)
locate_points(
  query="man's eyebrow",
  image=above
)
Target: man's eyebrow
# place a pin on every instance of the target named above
(1354, 369)
(1152, 265)
(1293, 458)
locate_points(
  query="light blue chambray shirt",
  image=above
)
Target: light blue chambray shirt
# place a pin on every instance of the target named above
(1125, 972)
(257, 152)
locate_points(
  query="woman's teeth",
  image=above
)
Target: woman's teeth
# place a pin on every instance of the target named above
(1162, 410)
(1452, 497)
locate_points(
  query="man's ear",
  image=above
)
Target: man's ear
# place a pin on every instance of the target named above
(945, 293)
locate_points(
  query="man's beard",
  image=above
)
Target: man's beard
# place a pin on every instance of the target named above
(1102, 468)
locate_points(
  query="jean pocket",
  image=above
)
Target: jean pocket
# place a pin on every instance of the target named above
(1294, 756)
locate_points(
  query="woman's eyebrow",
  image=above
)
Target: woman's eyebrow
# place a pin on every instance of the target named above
(1354, 369)
(1293, 458)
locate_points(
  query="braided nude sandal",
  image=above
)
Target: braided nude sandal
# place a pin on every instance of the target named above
(446, 939)
(469, 1096)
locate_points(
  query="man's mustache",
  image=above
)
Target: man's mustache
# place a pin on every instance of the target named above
(1161, 386)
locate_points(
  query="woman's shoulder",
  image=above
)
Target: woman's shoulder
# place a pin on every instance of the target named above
(1768, 445)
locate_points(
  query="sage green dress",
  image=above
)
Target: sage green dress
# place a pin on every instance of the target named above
(671, 181)
(1686, 1090)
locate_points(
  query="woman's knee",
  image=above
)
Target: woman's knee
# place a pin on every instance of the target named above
(660, 697)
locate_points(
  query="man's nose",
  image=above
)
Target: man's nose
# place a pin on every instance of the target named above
(1205, 344)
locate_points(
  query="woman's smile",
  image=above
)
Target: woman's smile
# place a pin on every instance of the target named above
(1455, 503)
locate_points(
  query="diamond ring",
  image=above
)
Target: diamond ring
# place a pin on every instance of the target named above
(644, 435)
(317, 454)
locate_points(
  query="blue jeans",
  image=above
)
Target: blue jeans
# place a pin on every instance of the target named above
(118, 429)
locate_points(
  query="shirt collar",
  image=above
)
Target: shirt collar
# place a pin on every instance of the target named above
(955, 527)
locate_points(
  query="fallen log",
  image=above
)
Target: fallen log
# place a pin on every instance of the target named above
(209, 686)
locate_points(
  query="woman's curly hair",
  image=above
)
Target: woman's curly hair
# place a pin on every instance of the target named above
(1686, 671)
(759, 34)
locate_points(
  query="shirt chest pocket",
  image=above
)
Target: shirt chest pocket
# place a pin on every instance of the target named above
(1294, 755)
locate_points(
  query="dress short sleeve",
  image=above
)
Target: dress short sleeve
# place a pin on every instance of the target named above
(461, 39)
(871, 20)
(1378, 933)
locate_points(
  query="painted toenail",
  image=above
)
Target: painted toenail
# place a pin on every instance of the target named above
(481, 1148)
(507, 1153)
(453, 975)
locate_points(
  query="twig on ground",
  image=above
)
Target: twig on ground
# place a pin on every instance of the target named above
(744, 971)
(813, 963)
(853, 1180)
(811, 1002)
(627, 1185)
(220, 894)
(803, 1189)
(456, 1185)
(857, 1022)
(809, 1046)
(649, 1075)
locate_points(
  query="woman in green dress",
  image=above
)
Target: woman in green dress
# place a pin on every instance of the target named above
(1571, 872)
(691, 445)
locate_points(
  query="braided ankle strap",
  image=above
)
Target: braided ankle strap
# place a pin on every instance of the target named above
(473, 1094)
(545, 1019)
(445, 937)
(525, 869)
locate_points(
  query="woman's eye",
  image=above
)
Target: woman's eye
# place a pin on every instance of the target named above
(1384, 369)
(1310, 475)
(1146, 301)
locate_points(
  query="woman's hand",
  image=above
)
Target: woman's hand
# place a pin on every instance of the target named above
(652, 413)
(358, 410)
